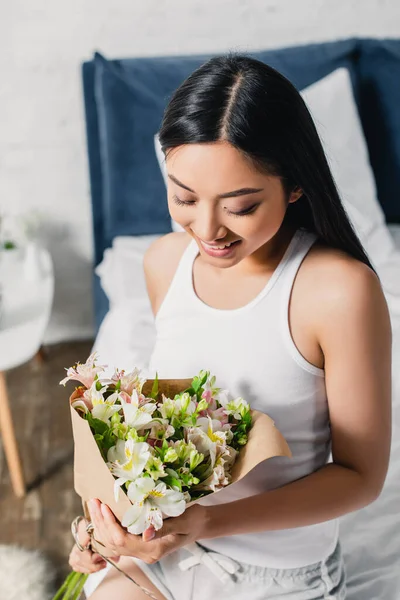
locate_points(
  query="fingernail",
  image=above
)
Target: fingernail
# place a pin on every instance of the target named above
(150, 535)
(103, 509)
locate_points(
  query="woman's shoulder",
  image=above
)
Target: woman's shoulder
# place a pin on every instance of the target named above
(339, 283)
(334, 271)
(335, 296)
(160, 263)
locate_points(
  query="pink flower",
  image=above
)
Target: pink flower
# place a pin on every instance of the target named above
(219, 414)
(207, 395)
(125, 397)
(85, 374)
(130, 382)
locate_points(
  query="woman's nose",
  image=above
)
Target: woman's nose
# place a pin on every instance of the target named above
(207, 226)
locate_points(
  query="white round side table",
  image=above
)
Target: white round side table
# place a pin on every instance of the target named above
(25, 307)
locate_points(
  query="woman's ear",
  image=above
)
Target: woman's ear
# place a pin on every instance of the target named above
(295, 194)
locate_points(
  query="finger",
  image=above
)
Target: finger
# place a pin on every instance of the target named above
(83, 536)
(96, 558)
(96, 516)
(173, 526)
(97, 567)
(149, 534)
(114, 529)
(87, 564)
(108, 515)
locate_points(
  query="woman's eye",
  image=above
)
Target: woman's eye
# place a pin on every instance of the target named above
(244, 212)
(180, 202)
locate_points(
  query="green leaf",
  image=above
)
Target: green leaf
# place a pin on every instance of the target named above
(9, 245)
(99, 441)
(172, 482)
(97, 425)
(154, 388)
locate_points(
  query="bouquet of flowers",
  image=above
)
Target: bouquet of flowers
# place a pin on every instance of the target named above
(149, 448)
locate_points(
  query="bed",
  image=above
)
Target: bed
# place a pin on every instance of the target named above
(352, 88)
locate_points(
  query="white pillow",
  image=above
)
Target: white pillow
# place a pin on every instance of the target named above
(121, 270)
(126, 336)
(331, 103)
(127, 333)
(395, 233)
(333, 108)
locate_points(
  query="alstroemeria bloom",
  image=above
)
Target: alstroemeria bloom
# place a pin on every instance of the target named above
(135, 415)
(86, 373)
(151, 502)
(208, 436)
(94, 396)
(180, 410)
(219, 415)
(237, 407)
(160, 429)
(210, 393)
(126, 460)
(129, 381)
(155, 467)
(221, 472)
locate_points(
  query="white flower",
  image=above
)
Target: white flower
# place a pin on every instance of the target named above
(126, 460)
(129, 381)
(184, 404)
(221, 473)
(182, 407)
(101, 408)
(80, 405)
(160, 429)
(94, 396)
(206, 439)
(155, 467)
(135, 415)
(237, 407)
(183, 449)
(151, 502)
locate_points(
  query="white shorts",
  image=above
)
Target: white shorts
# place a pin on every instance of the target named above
(185, 575)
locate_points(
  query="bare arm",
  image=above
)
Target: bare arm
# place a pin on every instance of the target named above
(355, 336)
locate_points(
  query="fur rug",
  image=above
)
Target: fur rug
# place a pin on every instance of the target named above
(25, 574)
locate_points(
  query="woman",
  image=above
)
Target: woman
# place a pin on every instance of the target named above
(268, 288)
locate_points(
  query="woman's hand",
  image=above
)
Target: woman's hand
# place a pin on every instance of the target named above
(153, 545)
(87, 561)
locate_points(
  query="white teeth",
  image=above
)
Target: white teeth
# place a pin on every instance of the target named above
(219, 247)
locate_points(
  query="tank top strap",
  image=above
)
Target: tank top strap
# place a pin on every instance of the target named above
(304, 241)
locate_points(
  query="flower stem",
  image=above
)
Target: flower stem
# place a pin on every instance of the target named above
(72, 587)
(80, 582)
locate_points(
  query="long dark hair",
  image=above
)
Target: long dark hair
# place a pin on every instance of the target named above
(256, 109)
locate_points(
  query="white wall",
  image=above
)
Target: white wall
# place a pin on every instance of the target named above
(42, 145)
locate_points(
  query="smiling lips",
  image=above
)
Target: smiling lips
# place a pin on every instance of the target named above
(220, 250)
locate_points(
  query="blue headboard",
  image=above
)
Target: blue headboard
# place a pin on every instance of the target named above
(124, 104)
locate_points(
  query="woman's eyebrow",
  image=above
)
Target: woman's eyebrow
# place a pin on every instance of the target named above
(233, 194)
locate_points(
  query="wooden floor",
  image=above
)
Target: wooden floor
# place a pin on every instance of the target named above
(42, 422)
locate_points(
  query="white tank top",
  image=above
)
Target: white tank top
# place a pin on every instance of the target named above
(251, 352)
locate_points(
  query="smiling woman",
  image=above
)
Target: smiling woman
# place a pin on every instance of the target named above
(279, 299)
(214, 216)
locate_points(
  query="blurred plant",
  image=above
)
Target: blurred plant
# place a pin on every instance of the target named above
(16, 231)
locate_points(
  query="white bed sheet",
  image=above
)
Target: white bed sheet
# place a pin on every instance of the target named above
(371, 536)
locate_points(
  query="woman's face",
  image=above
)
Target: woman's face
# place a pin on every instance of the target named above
(229, 208)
